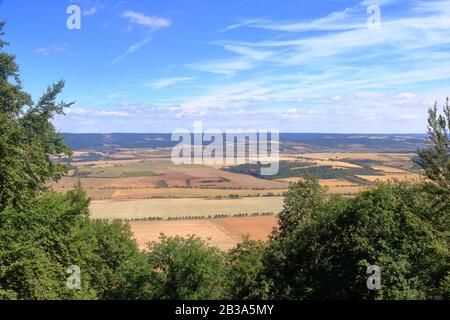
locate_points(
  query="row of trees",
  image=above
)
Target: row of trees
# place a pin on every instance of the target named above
(320, 251)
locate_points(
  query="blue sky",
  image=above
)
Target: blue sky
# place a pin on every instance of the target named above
(291, 65)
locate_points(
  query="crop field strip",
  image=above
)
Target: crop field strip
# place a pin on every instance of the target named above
(185, 207)
(224, 233)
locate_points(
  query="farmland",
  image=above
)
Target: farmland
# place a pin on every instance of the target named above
(179, 208)
(219, 203)
(224, 233)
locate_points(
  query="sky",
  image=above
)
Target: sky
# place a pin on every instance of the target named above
(331, 66)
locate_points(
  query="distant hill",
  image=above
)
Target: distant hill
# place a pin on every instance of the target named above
(290, 142)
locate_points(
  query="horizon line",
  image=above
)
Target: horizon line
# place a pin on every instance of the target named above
(324, 133)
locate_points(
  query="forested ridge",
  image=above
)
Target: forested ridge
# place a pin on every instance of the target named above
(321, 249)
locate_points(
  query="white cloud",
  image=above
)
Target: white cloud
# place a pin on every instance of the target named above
(226, 66)
(344, 78)
(363, 112)
(132, 49)
(153, 22)
(91, 11)
(406, 95)
(167, 82)
(335, 21)
(367, 3)
(52, 50)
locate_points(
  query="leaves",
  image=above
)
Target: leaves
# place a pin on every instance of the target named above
(326, 255)
(435, 161)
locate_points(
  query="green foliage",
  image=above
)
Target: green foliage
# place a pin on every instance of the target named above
(244, 271)
(289, 169)
(187, 269)
(435, 161)
(37, 246)
(326, 255)
(42, 233)
(114, 255)
(304, 200)
(29, 143)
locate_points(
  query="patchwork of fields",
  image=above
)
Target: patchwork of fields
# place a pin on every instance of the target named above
(143, 184)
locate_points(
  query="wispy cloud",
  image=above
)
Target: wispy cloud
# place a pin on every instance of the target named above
(167, 82)
(132, 49)
(90, 11)
(242, 24)
(225, 66)
(53, 50)
(342, 71)
(329, 74)
(334, 21)
(153, 22)
(378, 2)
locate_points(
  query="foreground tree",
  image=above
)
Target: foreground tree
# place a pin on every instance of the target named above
(245, 264)
(325, 243)
(187, 269)
(435, 160)
(305, 199)
(29, 143)
(327, 255)
(42, 233)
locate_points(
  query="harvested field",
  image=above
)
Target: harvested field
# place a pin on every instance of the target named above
(86, 183)
(387, 177)
(291, 179)
(258, 228)
(360, 156)
(335, 164)
(340, 186)
(191, 193)
(387, 169)
(223, 233)
(173, 208)
(335, 186)
(154, 173)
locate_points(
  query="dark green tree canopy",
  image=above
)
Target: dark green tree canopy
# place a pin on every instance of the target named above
(435, 161)
(29, 144)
